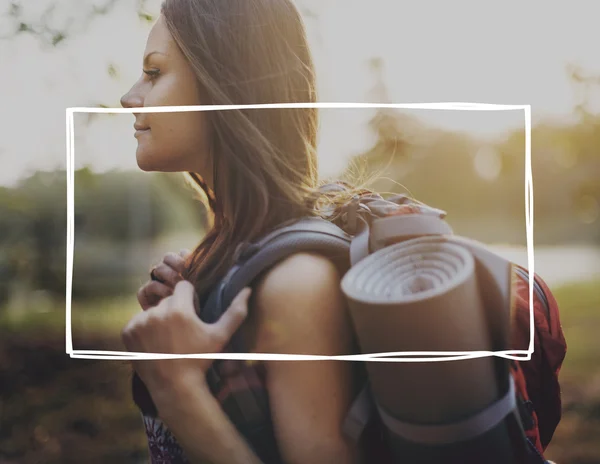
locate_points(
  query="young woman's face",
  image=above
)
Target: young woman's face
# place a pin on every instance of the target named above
(168, 142)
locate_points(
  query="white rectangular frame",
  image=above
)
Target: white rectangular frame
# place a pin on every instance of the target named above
(410, 356)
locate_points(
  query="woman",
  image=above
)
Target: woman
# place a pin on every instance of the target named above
(257, 169)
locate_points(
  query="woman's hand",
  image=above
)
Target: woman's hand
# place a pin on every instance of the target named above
(177, 386)
(165, 276)
(173, 326)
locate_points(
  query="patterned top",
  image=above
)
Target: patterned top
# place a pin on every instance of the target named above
(240, 388)
(162, 446)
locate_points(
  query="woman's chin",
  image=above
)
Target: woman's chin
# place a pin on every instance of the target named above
(156, 162)
(144, 162)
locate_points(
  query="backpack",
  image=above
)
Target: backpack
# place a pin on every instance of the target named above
(518, 425)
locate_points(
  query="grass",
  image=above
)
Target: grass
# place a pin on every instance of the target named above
(580, 317)
(576, 438)
(93, 319)
(55, 409)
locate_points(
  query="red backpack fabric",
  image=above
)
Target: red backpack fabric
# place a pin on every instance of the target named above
(537, 379)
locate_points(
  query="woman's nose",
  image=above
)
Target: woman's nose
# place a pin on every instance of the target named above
(132, 99)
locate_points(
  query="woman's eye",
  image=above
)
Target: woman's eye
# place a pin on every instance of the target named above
(152, 73)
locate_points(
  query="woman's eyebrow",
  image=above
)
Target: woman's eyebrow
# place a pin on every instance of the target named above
(147, 57)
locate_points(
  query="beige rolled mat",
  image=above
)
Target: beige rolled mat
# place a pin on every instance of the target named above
(432, 294)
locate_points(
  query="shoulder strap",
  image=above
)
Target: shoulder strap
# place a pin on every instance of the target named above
(307, 234)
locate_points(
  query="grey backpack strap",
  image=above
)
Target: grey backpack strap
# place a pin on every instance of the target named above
(465, 430)
(359, 415)
(308, 234)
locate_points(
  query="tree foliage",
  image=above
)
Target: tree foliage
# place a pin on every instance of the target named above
(113, 212)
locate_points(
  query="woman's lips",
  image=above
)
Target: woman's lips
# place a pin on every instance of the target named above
(139, 130)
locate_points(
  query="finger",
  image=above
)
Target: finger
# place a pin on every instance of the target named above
(175, 261)
(184, 296)
(129, 334)
(167, 275)
(153, 275)
(152, 293)
(232, 319)
(184, 253)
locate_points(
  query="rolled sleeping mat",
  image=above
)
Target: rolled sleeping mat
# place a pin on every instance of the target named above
(437, 293)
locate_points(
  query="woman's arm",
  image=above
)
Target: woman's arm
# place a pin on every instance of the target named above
(202, 429)
(178, 386)
(300, 309)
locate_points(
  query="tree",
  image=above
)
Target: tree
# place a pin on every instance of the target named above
(51, 33)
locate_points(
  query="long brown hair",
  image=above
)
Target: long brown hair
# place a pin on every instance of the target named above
(264, 160)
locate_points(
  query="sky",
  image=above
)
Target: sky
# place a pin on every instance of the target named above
(505, 52)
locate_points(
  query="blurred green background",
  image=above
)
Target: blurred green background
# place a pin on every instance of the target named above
(54, 409)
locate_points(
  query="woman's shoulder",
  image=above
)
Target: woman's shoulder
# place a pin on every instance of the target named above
(299, 276)
(300, 293)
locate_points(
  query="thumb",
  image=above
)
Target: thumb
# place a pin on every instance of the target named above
(184, 296)
(232, 318)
